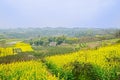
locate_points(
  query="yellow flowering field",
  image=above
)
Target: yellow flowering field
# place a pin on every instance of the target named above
(31, 70)
(6, 51)
(23, 46)
(105, 63)
(18, 47)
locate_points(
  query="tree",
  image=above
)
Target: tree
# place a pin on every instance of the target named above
(60, 39)
(52, 39)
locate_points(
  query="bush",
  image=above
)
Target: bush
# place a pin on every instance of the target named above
(84, 71)
(118, 41)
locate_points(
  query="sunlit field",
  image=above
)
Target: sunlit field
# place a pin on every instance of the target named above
(60, 58)
(100, 64)
(14, 49)
(59, 40)
(31, 70)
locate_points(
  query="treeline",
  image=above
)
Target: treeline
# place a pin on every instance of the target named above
(46, 32)
(44, 41)
(59, 40)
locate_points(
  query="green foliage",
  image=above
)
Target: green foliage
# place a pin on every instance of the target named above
(52, 39)
(39, 42)
(79, 71)
(118, 41)
(84, 71)
(72, 40)
(60, 39)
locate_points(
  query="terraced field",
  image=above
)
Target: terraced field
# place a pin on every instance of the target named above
(100, 64)
(14, 49)
(91, 64)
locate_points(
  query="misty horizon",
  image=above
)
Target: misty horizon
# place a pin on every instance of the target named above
(61, 13)
(59, 27)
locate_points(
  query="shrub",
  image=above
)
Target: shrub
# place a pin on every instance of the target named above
(118, 41)
(84, 71)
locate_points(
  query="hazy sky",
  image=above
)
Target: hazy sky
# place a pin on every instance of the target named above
(59, 13)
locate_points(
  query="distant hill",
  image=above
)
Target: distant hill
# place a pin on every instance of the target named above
(35, 32)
